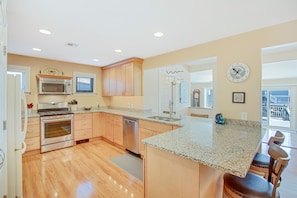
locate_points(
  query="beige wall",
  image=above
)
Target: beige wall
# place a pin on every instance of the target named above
(37, 64)
(240, 48)
(244, 48)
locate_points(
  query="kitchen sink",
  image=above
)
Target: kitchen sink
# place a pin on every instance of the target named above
(162, 118)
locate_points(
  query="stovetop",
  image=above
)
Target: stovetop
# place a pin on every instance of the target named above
(51, 113)
(53, 109)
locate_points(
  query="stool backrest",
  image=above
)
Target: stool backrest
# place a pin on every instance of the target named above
(279, 160)
(278, 138)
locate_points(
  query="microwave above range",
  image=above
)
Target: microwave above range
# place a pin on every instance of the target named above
(54, 85)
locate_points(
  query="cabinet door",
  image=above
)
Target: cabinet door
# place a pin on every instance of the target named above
(80, 124)
(83, 124)
(129, 79)
(118, 133)
(98, 124)
(144, 133)
(32, 143)
(83, 134)
(105, 82)
(120, 80)
(33, 129)
(33, 134)
(108, 132)
(112, 81)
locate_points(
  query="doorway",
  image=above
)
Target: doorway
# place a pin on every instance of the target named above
(279, 83)
(277, 107)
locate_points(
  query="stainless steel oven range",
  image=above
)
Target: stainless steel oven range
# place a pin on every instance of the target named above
(56, 126)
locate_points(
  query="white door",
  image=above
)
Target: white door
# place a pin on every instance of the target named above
(278, 107)
(3, 66)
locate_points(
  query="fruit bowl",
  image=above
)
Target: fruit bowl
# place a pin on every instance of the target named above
(87, 108)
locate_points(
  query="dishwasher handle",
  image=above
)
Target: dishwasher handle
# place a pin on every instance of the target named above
(130, 120)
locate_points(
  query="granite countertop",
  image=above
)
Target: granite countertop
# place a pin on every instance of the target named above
(229, 148)
(133, 113)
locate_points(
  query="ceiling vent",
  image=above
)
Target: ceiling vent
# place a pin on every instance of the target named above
(70, 44)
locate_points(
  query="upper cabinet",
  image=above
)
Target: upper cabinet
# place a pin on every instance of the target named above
(123, 78)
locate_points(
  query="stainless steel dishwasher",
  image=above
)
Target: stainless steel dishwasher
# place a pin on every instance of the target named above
(131, 134)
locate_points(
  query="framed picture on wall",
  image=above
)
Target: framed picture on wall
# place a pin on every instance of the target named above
(238, 97)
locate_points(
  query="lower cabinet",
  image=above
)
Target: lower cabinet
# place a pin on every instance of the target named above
(113, 130)
(33, 134)
(149, 128)
(83, 126)
(98, 124)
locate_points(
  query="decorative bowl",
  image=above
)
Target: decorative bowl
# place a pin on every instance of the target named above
(87, 108)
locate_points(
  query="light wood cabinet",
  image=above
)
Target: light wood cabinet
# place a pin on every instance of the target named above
(123, 78)
(149, 128)
(83, 126)
(120, 80)
(105, 82)
(114, 128)
(144, 133)
(98, 124)
(133, 79)
(33, 134)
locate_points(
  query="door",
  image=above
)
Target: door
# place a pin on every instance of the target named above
(3, 67)
(278, 107)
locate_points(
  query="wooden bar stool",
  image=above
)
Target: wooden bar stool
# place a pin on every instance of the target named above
(260, 163)
(256, 186)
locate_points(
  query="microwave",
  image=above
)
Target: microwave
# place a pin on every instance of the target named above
(55, 86)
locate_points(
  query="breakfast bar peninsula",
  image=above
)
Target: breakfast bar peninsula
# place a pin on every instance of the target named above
(191, 161)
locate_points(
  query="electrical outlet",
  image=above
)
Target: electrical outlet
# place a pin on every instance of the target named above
(244, 115)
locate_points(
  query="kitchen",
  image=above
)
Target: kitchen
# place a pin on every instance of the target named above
(226, 54)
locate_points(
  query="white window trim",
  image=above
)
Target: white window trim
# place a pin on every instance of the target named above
(82, 74)
(22, 69)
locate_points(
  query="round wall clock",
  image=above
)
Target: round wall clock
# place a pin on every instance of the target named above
(238, 72)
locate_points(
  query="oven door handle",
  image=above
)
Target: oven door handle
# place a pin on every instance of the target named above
(49, 120)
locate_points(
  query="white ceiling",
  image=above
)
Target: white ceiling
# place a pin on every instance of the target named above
(100, 27)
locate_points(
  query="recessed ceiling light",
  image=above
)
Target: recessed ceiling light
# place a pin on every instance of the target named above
(36, 49)
(43, 31)
(95, 59)
(158, 34)
(118, 50)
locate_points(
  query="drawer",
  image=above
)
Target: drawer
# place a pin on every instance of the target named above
(82, 134)
(117, 118)
(83, 116)
(155, 126)
(33, 131)
(32, 143)
(113, 117)
(83, 124)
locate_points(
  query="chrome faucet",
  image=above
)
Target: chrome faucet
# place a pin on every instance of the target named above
(171, 112)
(171, 109)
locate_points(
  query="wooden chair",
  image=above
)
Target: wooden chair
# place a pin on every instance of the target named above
(256, 186)
(260, 163)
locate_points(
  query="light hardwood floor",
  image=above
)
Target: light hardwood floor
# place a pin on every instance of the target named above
(81, 171)
(84, 171)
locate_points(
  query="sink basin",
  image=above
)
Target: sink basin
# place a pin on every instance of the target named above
(162, 118)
